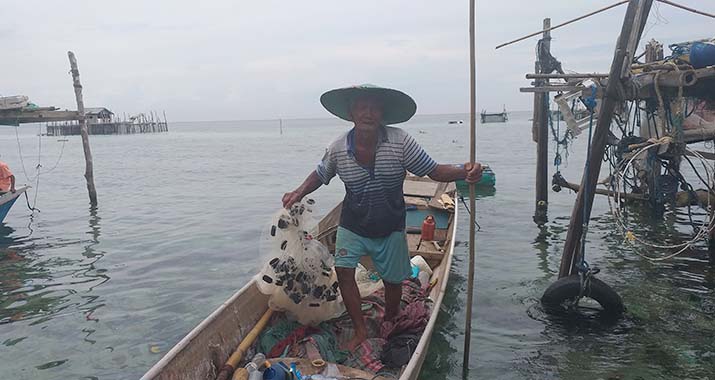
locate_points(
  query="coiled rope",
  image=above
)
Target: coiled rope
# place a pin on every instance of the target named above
(615, 198)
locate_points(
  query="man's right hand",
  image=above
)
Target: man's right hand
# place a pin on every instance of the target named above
(290, 198)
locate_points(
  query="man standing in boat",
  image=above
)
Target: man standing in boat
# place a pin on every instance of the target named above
(7, 179)
(372, 159)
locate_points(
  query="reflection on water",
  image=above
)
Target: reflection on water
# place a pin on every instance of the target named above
(35, 288)
(668, 326)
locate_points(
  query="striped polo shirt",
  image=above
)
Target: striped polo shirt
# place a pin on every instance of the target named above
(374, 205)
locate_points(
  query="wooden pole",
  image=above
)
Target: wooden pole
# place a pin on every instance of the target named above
(541, 126)
(88, 171)
(574, 187)
(636, 16)
(472, 189)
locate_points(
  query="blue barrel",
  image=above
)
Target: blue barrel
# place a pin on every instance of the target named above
(702, 54)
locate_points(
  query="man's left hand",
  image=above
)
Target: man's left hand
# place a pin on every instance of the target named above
(474, 172)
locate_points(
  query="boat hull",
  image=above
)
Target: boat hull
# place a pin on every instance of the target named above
(7, 200)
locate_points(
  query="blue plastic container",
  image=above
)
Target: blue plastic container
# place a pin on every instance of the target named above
(275, 372)
(702, 54)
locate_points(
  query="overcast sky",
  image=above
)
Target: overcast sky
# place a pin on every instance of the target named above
(265, 59)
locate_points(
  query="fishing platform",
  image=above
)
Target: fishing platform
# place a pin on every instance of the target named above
(642, 118)
(102, 121)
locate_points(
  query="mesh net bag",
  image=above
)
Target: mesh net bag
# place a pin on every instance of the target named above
(298, 274)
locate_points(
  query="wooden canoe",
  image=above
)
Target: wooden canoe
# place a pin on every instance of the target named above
(203, 351)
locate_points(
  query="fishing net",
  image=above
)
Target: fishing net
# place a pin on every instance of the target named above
(299, 274)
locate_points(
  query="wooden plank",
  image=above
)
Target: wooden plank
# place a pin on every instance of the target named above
(420, 189)
(415, 178)
(16, 117)
(416, 201)
(426, 247)
(434, 202)
(554, 88)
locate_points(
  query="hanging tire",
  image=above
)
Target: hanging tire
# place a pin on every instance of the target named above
(568, 288)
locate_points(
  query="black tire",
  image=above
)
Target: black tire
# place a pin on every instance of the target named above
(568, 288)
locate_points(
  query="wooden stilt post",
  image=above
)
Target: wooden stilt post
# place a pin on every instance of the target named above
(541, 131)
(472, 189)
(633, 24)
(88, 172)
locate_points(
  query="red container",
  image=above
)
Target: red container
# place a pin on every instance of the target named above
(428, 228)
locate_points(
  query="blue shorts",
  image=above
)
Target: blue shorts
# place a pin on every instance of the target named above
(389, 254)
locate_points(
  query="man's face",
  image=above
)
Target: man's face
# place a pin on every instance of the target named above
(366, 111)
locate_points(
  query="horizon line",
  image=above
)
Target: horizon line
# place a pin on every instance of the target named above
(318, 118)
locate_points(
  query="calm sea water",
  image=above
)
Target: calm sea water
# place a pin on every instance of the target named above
(103, 294)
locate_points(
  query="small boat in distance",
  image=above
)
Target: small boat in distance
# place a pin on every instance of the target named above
(455, 122)
(501, 117)
(8, 199)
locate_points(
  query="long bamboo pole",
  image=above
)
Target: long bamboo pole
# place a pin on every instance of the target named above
(683, 7)
(88, 171)
(563, 24)
(243, 347)
(472, 195)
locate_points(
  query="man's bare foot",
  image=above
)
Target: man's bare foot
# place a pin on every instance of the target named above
(355, 341)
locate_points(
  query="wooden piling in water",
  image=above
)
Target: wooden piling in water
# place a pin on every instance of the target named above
(88, 172)
(541, 130)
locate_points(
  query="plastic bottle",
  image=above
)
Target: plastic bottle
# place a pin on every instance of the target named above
(252, 370)
(258, 359)
(424, 280)
(255, 375)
